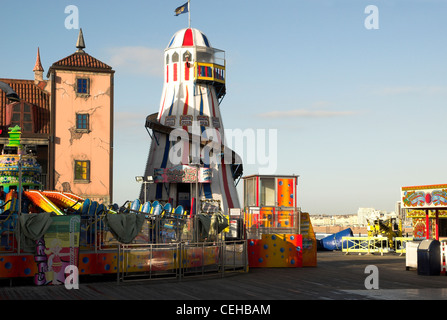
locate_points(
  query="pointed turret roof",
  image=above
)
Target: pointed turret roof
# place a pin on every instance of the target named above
(80, 44)
(38, 66)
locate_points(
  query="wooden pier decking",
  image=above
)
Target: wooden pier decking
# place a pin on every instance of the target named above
(337, 276)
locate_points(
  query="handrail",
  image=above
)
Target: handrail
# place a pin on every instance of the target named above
(212, 68)
(211, 258)
(366, 245)
(402, 248)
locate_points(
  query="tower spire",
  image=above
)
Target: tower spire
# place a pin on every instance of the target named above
(38, 69)
(38, 66)
(80, 44)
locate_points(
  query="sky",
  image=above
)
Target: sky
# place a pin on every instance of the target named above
(356, 98)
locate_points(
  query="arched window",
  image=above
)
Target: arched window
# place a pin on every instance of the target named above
(175, 57)
(167, 68)
(187, 56)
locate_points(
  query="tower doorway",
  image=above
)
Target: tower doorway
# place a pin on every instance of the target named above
(184, 195)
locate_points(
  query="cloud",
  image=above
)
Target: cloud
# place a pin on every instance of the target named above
(137, 60)
(301, 113)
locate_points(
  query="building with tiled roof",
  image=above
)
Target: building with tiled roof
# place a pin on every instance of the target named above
(81, 61)
(33, 93)
(69, 121)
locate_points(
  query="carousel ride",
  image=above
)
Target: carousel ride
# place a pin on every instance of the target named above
(44, 231)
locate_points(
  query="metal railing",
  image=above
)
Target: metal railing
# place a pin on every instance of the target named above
(370, 245)
(179, 260)
(400, 244)
(271, 220)
(164, 248)
(366, 245)
(210, 72)
(8, 242)
(95, 234)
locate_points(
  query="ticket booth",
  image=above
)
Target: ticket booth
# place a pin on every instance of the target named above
(427, 206)
(278, 233)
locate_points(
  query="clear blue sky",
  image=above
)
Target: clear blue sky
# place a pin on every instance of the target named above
(359, 113)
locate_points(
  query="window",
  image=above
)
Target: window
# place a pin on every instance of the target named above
(82, 171)
(167, 68)
(187, 56)
(267, 191)
(187, 59)
(82, 122)
(175, 57)
(82, 86)
(21, 114)
(249, 192)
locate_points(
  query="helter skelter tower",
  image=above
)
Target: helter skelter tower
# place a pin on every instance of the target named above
(184, 171)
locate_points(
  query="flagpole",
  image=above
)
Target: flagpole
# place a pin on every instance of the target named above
(189, 14)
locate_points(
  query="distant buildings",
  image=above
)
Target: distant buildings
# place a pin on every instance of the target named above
(334, 220)
(351, 220)
(68, 119)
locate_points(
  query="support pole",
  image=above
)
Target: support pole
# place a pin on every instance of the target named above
(189, 14)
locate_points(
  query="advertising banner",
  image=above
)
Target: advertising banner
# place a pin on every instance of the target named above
(182, 174)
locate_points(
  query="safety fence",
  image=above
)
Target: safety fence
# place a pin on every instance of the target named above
(97, 234)
(400, 244)
(163, 247)
(371, 245)
(364, 245)
(179, 260)
(8, 242)
(271, 220)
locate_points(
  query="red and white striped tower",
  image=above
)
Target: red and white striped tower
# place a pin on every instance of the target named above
(194, 86)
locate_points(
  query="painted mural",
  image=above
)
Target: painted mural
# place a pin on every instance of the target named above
(431, 196)
(274, 250)
(58, 249)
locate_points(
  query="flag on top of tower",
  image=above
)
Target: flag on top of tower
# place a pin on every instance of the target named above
(182, 9)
